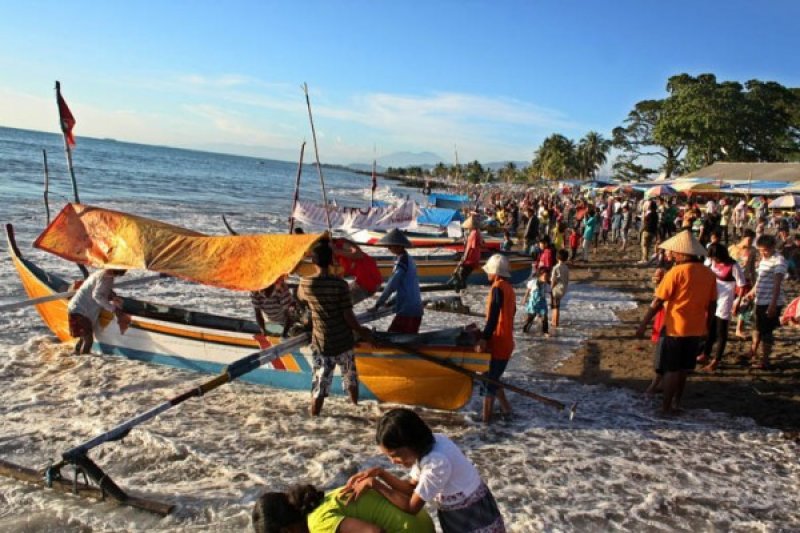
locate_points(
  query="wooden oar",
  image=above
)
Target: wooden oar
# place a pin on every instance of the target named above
(415, 351)
(70, 294)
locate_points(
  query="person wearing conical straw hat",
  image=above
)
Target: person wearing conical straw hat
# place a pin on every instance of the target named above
(498, 334)
(403, 281)
(471, 258)
(688, 293)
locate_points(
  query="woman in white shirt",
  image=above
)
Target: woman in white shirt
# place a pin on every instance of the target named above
(731, 284)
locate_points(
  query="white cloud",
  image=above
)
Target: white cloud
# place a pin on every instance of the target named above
(238, 109)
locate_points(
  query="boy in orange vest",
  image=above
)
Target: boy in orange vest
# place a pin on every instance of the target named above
(498, 334)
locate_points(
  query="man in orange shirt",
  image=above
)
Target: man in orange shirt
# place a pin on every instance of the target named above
(498, 335)
(688, 293)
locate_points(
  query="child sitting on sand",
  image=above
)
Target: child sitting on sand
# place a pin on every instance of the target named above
(440, 474)
(305, 509)
(535, 300)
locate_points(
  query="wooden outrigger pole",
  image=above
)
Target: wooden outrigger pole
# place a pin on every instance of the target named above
(316, 153)
(78, 456)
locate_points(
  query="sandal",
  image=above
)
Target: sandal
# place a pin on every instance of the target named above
(761, 365)
(702, 358)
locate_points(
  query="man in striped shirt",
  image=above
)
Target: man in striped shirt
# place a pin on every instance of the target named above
(769, 298)
(333, 324)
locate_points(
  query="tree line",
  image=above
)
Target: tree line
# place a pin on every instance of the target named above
(699, 122)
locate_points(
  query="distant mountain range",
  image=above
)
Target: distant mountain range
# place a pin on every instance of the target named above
(426, 160)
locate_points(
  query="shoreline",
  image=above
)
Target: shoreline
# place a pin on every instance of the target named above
(612, 356)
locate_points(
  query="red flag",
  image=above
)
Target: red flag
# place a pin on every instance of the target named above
(67, 120)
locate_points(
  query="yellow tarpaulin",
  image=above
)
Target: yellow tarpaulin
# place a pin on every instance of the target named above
(110, 239)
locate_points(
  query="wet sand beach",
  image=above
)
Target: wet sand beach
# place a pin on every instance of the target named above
(614, 357)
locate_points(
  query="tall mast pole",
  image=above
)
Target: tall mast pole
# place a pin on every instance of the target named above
(316, 153)
(67, 121)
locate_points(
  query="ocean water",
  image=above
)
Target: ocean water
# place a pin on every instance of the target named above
(616, 466)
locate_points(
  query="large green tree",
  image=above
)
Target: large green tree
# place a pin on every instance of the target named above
(703, 120)
(637, 139)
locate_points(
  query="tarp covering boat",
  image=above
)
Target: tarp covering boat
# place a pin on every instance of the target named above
(378, 218)
(448, 201)
(104, 238)
(438, 216)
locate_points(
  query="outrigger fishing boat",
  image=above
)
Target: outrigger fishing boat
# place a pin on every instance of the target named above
(438, 269)
(205, 342)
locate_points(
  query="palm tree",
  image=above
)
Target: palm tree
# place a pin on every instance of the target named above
(592, 154)
(509, 172)
(556, 158)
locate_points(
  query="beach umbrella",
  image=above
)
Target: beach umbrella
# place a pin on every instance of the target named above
(787, 201)
(660, 190)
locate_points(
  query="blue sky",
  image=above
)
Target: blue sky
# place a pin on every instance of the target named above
(493, 78)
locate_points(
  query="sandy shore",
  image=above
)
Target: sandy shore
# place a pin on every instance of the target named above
(614, 357)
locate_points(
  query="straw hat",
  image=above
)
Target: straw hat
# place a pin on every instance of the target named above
(684, 243)
(395, 238)
(497, 265)
(470, 223)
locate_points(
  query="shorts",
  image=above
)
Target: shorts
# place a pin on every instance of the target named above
(324, 366)
(496, 369)
(766, 325)
(79, 325)
(405, 324)
(679, 353)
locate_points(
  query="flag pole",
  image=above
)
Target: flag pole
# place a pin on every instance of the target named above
(67, 123)
(316, 153)
(66, 127)
(297, 187)
(46, 186)
(374, 176)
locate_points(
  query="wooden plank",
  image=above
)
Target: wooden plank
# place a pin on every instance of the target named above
(36, 477)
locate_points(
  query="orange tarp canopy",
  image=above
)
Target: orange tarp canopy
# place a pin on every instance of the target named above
(110, 239)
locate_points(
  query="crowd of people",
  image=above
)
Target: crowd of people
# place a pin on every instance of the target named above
(714, 261)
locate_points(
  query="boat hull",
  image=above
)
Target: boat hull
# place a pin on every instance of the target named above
(432, 241)
(385, 375)
(432, 270)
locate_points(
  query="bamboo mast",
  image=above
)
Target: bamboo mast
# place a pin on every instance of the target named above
(374, 175)
(46, 186)
(316, 153)
(297, 188)
(67, 122)
(65, 128)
